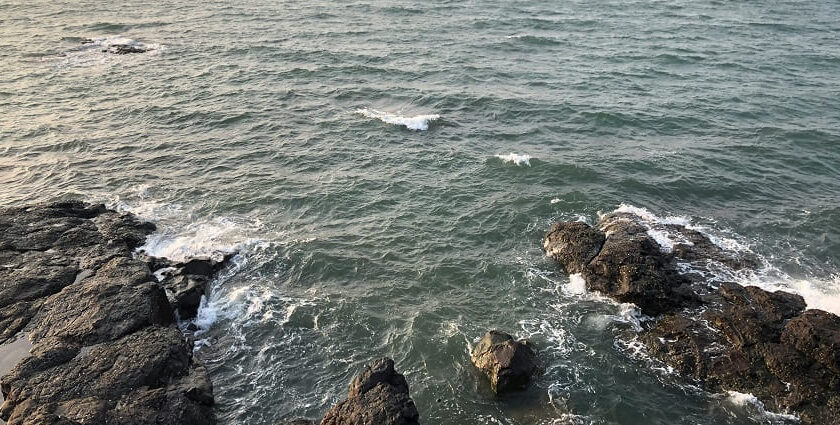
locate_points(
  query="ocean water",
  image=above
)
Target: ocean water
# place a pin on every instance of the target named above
(386, 170)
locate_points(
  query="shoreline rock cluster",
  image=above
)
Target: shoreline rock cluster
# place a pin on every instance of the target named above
(105, 346)
(725, 336)
(101, 320)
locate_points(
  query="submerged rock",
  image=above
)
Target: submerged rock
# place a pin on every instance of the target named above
(726, 336)
(105, 348)
(124, 49)
(509, 364)
(377, 396)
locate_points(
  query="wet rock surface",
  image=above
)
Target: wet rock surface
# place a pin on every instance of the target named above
(377, 396)
(105, 348)
(726, 336)
(508, 363)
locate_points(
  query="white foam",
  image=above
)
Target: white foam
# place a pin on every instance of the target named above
(515, 158)
(417, 122)
(555, 200)
(646, 215)
(198, 239)
(576, 285)
(182, 234)
(749, 401)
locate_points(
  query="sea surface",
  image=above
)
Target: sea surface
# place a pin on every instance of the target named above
(386, 170)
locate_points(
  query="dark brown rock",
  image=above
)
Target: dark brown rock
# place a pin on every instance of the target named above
(508, 364)
(620, 259)
(377, 396)
(573, 244)
(816, 334)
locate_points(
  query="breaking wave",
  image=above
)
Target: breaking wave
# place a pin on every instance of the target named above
(517, 159)
(417, 122)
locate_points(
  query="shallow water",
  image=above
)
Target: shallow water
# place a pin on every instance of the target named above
(10, 354)
(302, 135)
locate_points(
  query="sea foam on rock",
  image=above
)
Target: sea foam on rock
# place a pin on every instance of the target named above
(727, 336)
(105, 346)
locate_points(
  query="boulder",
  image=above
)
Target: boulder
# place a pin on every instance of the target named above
(508, 364)
(377, 396)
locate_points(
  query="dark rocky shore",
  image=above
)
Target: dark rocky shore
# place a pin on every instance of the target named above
(105, 348)
(93, 325)
(723, 335)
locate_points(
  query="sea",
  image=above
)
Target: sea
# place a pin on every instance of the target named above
(385, 170)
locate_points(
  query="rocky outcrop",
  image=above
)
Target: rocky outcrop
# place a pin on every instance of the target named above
(105, 348)
(620, 259)
(726, 336)
(377, 396)
(508, 363)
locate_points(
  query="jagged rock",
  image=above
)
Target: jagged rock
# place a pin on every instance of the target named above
(816, 334)
(186, 292)
(573, 244)
(621, 260)
(105, 346)
(377, 396)
(694, 246)
(186, 283)
(728, 337)
(509, 364)
(758, 342)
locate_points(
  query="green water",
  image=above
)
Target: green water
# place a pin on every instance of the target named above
(242, 129)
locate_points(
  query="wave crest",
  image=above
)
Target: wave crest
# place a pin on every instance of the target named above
(417, 122)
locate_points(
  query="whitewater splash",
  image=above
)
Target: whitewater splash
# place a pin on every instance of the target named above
(517, 159)
(823, 294)
(182, 234)
(417, 122)
(756, 407)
